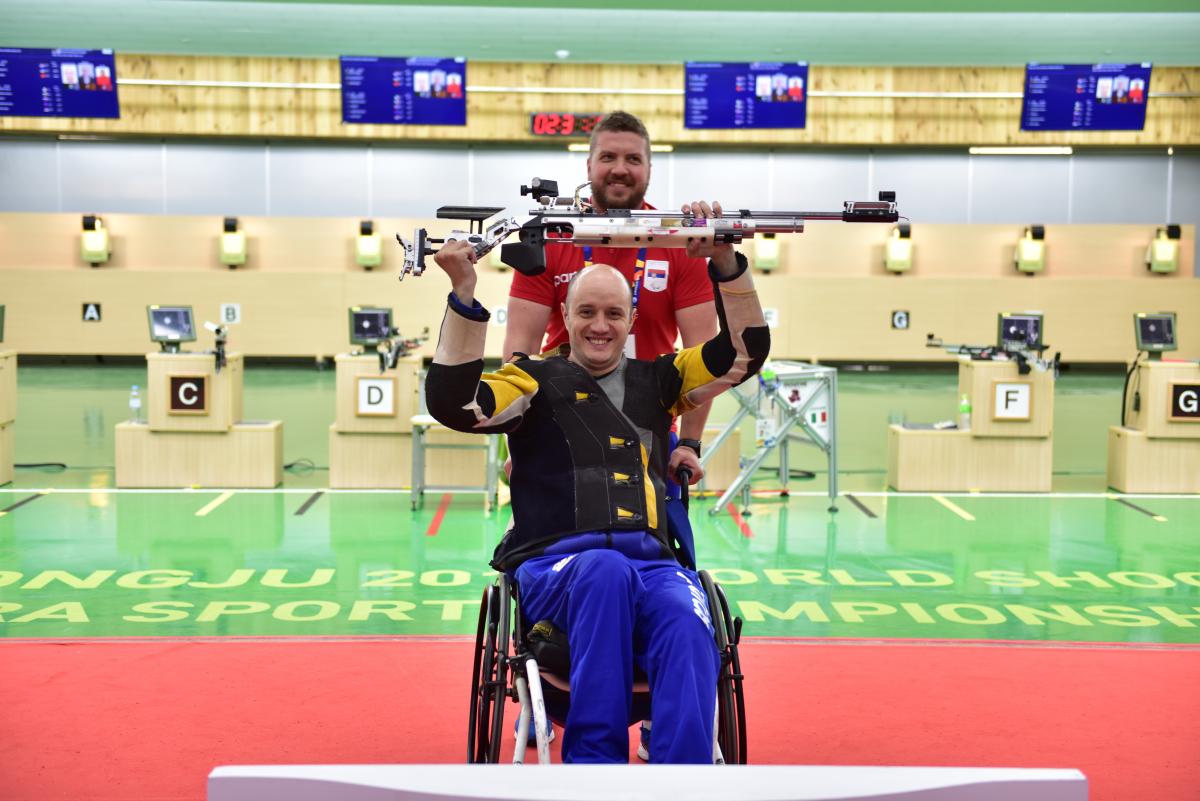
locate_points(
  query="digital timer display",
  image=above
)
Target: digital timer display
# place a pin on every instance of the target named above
(553, 123)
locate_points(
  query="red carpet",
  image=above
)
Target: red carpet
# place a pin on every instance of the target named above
(147, 720)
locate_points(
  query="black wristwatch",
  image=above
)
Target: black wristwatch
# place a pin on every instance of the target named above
(694, 444)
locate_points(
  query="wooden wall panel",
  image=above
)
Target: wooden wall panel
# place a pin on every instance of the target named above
(1086, 319)
(157, 243)
(503, 117)
(833, 298)
(820, 318)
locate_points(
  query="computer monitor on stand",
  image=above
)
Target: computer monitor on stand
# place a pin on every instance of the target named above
(1020, 332)
(1155, 333)
(370, 325)
(170, 326)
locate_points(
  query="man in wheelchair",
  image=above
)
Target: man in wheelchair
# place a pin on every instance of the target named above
(588, 434)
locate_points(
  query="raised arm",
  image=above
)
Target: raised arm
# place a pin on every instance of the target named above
(697, 324)
(457, 392)
(525, 328)
(743, 341)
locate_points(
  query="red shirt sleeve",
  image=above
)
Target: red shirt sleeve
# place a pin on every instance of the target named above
(694, 286)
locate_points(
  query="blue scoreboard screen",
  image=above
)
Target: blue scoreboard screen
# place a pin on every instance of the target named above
(35, 82)
(1085, 97)
(404, 91)
(745, 95)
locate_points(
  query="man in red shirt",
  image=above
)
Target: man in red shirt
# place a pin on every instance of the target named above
(672, 295)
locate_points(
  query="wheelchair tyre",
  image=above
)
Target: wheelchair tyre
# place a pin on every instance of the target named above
(731, 724)
(489, 676)
(735, 664)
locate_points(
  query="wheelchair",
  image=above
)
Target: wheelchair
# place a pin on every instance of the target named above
(530, 665)
(512, 658)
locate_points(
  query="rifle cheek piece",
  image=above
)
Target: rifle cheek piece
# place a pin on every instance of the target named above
(527, 256)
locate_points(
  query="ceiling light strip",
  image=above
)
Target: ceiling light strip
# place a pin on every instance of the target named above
(1022, 150)
(584, 147)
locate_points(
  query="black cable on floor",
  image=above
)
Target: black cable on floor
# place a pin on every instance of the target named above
(799, 475)
(36, 465)
(302, 466)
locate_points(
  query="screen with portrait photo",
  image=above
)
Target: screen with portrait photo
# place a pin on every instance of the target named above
(758, 94)
(36, 82)
(404, 91)
(1085, 97)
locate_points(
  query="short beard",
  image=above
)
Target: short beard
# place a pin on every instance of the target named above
(600, 199)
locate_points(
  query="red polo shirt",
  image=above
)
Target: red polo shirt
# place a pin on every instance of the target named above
(672, 281)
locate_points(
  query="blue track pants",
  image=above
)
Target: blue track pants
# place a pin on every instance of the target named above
(617, 609)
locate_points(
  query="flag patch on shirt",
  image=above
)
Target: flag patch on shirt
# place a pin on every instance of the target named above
(655, 277)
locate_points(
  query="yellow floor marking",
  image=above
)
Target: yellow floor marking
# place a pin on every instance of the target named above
(953, 507)
(214, 503)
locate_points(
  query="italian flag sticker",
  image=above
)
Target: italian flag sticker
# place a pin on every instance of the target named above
(818, 416)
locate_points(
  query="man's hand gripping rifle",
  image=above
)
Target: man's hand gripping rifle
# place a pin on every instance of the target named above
(573, 221)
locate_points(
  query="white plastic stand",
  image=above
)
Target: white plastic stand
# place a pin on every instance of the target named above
(639, 783)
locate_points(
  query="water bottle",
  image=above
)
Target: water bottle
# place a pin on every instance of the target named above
(135, 404)
(964, 413)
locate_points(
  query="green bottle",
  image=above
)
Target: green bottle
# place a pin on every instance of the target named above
(964, 413)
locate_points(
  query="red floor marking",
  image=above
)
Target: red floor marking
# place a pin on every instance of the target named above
(438, 516)
(741, 521)
(179, 709)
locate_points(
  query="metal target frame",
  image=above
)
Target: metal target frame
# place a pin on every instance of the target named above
(770, 394)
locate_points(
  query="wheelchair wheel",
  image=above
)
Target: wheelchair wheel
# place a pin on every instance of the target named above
(731, 706)
(489, 675)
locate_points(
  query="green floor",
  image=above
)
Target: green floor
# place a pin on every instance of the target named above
(1076, 565)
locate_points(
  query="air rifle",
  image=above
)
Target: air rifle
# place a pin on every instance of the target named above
(573, 221)
(395, 346)
(1020, 354)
